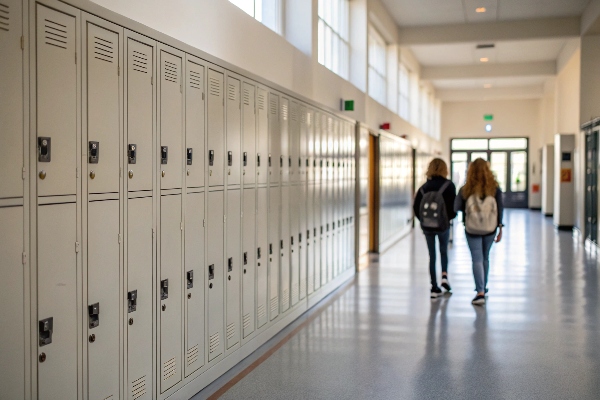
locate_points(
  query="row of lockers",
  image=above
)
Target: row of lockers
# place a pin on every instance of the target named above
(177, 209)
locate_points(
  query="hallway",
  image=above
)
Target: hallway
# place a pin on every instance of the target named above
(381, 337)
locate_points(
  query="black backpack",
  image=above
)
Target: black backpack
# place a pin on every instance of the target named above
(432, 213)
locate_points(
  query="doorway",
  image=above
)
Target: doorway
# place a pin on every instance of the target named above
(591, 185)
(509, 161)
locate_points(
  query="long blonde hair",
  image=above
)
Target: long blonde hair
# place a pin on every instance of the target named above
(437, 167)
(480, 180)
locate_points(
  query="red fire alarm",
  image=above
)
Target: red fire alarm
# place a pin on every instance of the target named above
(385, 126)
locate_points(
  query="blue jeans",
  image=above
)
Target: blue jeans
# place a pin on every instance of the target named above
(480, 247)
(443, 238)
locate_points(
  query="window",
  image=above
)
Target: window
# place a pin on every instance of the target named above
(424, 112)
(334, 49)
(266, 11)
(377, 66)
(404, 92)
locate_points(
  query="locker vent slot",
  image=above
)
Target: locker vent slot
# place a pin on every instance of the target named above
(56, 34)
(285, 303)
(103, 49)
(231, 93)
(303, 117)
(138, 387)
(308, 118)
(140, 62)
(294, 114)
(109, 397)
(171, 72)
(273, 107)
(261, 311)
(284, 112)
(192, 355)
(275, 305)
(261, 102)
(214, 87)
(213, 342)
(295, 292)
(169, 368)
(303, 284)
(246, 321)
(230, 331)
(246, 97)
(195, 80)
(4, 17)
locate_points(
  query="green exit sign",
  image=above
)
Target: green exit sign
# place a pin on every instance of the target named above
(347, 105)
(488, 117)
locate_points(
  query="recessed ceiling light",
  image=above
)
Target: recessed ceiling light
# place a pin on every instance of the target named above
(480, 10)
(487, 85)
(484, 59)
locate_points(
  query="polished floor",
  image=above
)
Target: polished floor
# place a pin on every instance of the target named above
(381, 337)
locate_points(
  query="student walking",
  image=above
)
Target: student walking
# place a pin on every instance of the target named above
(480, 200)
(434, 207)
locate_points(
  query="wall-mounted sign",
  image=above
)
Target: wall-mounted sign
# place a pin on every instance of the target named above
(566, 175)
(488, 117)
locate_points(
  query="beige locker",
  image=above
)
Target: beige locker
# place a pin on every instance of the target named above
(284, 158)
(284, 244)
(194, 282)
(294, 142)
(262, 256)
(103, 299)
(292, 238)
(140, 258)
(262, 137)
(170, 152)
(170, 295)
(273, 251)
(311, 146)
(248, 261)
(215, 275)
(234, 125)
(11, 107)
(306, 120)
(195, 109)
(310, 243)
(234, 267)
(274, 159)
(103, 112)
(249, 134)
(12, 334)
(216, 128)
(139, 106)
(57, 108)
(57, 301)
(302, 248)
(317, 235)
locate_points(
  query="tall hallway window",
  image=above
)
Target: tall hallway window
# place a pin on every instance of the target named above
(266, 11)
(334, 49)
(404, 92)
(377, 66)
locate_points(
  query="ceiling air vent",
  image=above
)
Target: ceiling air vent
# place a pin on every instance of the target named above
(486, 46)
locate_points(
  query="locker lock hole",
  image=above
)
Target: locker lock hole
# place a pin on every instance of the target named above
(190, 279)
(230, 264)
(164, 289)
(211, 157)
(131, 301)
(94, 152)
(44, 149)
(45, 331)
(94, 315)
(190, 155)
(246, 258)
(164, 154)
(229, 158)
(258, 159)
(211, 272)
(245, 159)
(131, 153)
(258, 253)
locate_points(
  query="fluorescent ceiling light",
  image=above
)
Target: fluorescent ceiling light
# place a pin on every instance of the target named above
(480, 10)
(484, 59)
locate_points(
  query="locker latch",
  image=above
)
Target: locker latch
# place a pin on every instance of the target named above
(315, 163)
(321, 229)
(94, 315)
(190, 279)
(190, 154)
(290, 162)
(327, 227)
(269, 160)
(131, 301)
(281, 161)
(291, 240)
(211, 157)
(230, 158)
(258, 159)
(315, 231)
(246, 258)
(94, 152)
(44, 149)
(299, 162)
(300, 238)
(131, 153)
(321, 163)
(211, 272)
(270, 248)
(230, 264)
(164, 154)
(307, 163)
(281, 244)
(164, 289)
(46, 327)
(258, 253)
(245, 159)
(307, 234)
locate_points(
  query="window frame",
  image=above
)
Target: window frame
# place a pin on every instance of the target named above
(378, 71)
(333, 42)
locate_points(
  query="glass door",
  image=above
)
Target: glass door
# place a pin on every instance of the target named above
(591, 191)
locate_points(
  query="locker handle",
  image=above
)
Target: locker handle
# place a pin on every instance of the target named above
(245, 159)
(94, 152)
(270, 248)
(164, 289)
(246, 258)
(315, 232)
(164, 154)
(291, 240)
(131, 301)
(211, 272)
(281, 161)
(190, 279)
(300, 238)
(307, 163)
(211, 157)
(230, 158)
(299, 162)
(290, 162)
(131, 153)
(45, 331)
(281, 244)
(269, 160)
(94, 315)
(230, 264)
(307, 234)
(44, 149)
(190, 155)
(258, 159)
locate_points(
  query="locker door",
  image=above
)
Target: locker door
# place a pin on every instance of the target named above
(194, 124)
(140, 289)
(234, 265)
(103, 110)
(324, 233)
(216, 128)
(294, 142)
(317, 236)
(317, 143)
(330, 231)
(104, 275)
(12, 380)
(262, 149)
(310, 248)
(11, 107)
(284, 158)
(302, 247)
(293, 240)
(171, 280)
(309, 142)
(194, 282)
(274, 159)
(171, 121)
(248, 261)
(234, 126)
(284, 244)
(57, 103)
(274, 244)
(262, 249)
(215, 275)
(57, 301)
(303, 158)
(139, 108)
(249, 134)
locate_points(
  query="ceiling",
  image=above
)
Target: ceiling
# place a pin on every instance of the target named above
(461, 15)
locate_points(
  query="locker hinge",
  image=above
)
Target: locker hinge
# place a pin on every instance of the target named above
(75, 57)
(152, 80)
(77, 172)
(120, 238)
(119, 70)
(224, 218)
(76, 247)
(22, 42)
(203, 223)
(153, 233)
(120, 172)
(24, 173)
(202, 96)
(181, 225)
(24, 258)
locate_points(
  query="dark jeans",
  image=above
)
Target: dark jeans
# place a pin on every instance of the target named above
(443, 238)
(480, 247)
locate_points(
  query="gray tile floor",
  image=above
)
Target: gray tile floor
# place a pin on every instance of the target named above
(538, 337)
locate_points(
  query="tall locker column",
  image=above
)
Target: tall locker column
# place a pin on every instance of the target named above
(294, 244)
(215, 273)
(301, 201)
(58, 196)
(233, 158)
(285, 246)
(262, 256)
(262, 137)
(284, 158)
(274, 159)
(12, 244)
(216, 128)
(248, 261)
(317, 229)
(249, 134)
(102, 117)
(273, 250)
(233, 266)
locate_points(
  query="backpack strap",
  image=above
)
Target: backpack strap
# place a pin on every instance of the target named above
(444, 186)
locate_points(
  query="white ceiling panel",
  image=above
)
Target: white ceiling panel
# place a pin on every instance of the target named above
(425, 12)
(490, 14)
(529, 50)
(527, 9)
(444, 54)
(445, 84)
